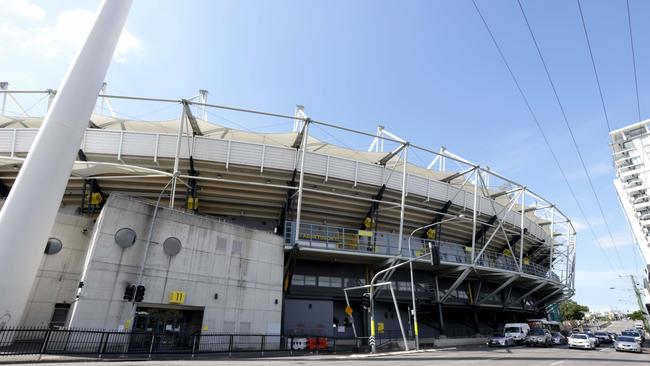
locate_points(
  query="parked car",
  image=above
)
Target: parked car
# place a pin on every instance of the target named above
(539, 337)
(627, 343)
(578, 340)
(591, 335)
(603, 338)
(558, 338)
(518, 331)
(500, 339)
(576, 331)
(639, 326)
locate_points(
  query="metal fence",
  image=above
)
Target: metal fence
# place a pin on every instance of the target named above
(37, 341)
(380, 243)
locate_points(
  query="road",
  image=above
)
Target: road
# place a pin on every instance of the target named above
(474, 355)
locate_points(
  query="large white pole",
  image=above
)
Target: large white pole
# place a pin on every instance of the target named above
(28, 214)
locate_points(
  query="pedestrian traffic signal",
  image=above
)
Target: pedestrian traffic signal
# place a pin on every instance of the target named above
(129, 292)
(139, 293)
(365, 300)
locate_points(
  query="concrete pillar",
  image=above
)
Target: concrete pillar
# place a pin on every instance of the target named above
(31, 207)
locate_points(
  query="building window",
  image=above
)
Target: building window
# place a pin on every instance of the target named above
(59, 315)
(302, 280)
(310, 280)
(403, 286)
(325, 281)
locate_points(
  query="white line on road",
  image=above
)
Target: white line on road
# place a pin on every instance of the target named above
(557, 362)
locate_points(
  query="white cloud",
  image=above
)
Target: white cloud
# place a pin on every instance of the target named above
(621, 239)
(66, 34)
(21, 9)
(582, 227)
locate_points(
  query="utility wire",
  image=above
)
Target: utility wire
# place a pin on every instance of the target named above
(541, 131)
(636, 80)
(568, 126)
(593, 64)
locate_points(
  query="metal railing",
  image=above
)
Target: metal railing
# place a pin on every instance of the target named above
(385, 244)
(41, 341)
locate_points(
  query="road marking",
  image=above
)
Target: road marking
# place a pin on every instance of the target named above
(557, 362)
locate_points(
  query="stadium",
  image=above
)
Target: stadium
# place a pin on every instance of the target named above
(247, 230)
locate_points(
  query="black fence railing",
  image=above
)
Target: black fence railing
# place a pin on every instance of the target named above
(37, 341)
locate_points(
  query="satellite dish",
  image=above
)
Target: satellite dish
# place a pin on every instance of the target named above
(53, 246)
(172, 246)
(125, 237)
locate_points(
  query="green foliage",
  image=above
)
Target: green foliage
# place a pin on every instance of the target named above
(571, 310)
(637, 315)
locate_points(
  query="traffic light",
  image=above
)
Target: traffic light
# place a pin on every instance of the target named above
(139, 293)
(129, 292)
(365, 300)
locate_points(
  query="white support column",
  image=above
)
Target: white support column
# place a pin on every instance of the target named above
(400, 239)
(181, 124)
(521, 227)
(4, 86)
(27, 217)
(474, 215)
(299, 113)
(203, 97)
(550, 260)
(50, 98)
(301, 182)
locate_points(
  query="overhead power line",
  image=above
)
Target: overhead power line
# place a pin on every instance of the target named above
(541, 131)
(593, 64)
(636, 80)
(573, 138)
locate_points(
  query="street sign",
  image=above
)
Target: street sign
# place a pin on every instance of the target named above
(348, 310)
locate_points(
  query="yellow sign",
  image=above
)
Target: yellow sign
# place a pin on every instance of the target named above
(348, 310)
(380, 327)
(177, 297)
(365, 233)
(205, 328)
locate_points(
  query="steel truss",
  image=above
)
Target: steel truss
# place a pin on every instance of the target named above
(484, 184)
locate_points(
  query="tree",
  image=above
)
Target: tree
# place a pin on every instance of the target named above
(571, 310)
(637, 315)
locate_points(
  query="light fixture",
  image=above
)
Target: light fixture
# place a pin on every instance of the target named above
(172, 246)
(53, 246)
(125, 237)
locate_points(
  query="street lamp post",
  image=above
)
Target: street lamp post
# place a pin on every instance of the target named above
(415, 317)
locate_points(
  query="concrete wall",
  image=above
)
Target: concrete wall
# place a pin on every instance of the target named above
(58, 275)
(243, 267)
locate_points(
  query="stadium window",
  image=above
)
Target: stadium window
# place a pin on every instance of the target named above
(59, 315)
(310, 280)
(298, 280)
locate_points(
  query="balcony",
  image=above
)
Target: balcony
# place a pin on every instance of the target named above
(384, 245)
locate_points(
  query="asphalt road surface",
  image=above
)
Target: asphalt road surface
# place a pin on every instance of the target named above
(475, 356)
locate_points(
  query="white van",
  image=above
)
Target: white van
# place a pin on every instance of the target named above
(638, 325)
(518, 331)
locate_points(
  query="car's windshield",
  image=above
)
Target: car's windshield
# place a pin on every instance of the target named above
(601, 334)
(556, 334)
(579, 336)
(625, 339)
(536, 332)
(513, 330)
(497, 335)
(630, 334)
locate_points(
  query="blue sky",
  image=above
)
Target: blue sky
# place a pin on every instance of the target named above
(427, 70)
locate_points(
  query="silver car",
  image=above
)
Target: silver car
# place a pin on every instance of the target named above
(625, 343)
(499, 339)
